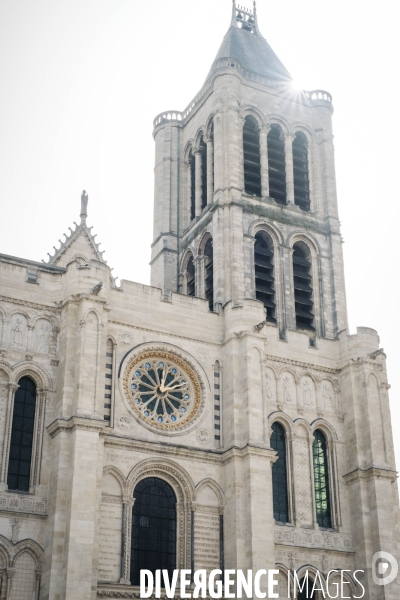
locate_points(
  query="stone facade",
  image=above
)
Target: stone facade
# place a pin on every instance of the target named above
(69, 535)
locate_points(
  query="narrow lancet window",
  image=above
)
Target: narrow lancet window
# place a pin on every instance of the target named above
(300, 172)
(203, 151)
(209, 273)
(321, 480)
(264, 273)
(153, 543)
(276, 164)
(23, 423)
(251, 157)
(192, 190)
(108, 381)
(190, 278)
(303, 290)
(279, 474)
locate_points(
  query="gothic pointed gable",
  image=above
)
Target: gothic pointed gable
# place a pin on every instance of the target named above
(80, 245)
(244, 43)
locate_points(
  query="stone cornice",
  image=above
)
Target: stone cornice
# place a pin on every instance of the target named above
(74, 423)
(303, 365)
(29, 304)
(216, 457)
(368, 474)
(105, 590)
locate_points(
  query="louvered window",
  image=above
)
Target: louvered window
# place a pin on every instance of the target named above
(279, 474)
(300, 172)
(264, 273)
(190, 278)
(209, 273)
(192, 191)
(251, 157)
(276, 165)
(203, 151)
(303, 290)
(321, 480)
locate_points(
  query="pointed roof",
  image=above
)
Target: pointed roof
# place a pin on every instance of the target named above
(244, 43)
(79, 245)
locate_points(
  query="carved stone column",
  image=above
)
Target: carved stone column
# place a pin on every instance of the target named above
(289, 168)
(126, 540)
(210, 170)
(10, 575)
(264, 161)
(38, 578)
(6, 323)
(29, 345)
(198, 181)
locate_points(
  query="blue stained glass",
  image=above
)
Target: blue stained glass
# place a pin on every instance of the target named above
(146, 413)
(160, 364)
(137, 373)
(187, 397)
(147, 365)
(183, 410)
(173, 418)
(134, 386)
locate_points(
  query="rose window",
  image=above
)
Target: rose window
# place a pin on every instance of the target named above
(163, 390)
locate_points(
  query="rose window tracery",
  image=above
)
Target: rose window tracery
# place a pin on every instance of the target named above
(163, 390)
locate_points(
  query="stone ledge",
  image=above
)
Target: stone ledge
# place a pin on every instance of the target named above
(23, 503)
(74, 423)
(314, 539)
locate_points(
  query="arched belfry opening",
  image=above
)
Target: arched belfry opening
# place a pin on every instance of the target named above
(276, 164)
(204, 172)
(264, 273)
(192, 185)
(209, 273)
(300, 172)
(190, 277)
(303, 288)
(251, 157)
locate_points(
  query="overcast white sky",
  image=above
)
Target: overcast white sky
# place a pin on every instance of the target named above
(82, 80)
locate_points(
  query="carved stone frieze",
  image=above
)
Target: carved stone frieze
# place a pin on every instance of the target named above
(23, 504)
(309, 538)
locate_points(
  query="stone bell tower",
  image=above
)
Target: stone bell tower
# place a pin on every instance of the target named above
(248, 148)
(246, 218)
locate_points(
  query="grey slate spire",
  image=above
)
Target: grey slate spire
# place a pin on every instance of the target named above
(244, 43)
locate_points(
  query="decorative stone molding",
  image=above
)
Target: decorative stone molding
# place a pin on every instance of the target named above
(309, 538)
(368, 474)
(22, 504)
(74, 423)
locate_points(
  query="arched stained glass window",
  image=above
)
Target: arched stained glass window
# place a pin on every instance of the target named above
(153, 544)
(279, 474)
(321, 480)
(19, 465)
